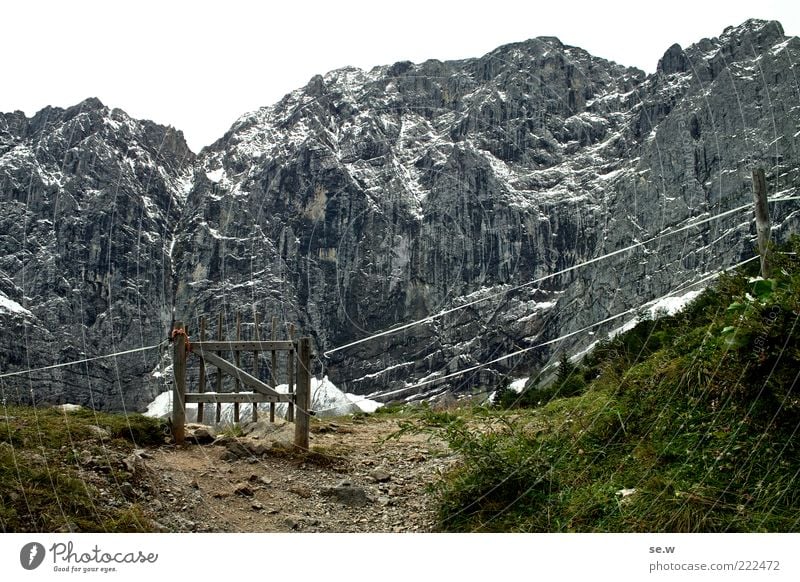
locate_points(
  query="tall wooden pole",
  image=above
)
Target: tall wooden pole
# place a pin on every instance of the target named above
(762, 220)
(179, 383)
(220, 337)
(274, 368)
(256, 370)
(202, 381)
(303, 395)
(290, 365)
(238, 360)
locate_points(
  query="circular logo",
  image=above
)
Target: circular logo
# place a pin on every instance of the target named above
(31, 555)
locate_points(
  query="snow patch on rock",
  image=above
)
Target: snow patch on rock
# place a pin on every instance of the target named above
(11, 306)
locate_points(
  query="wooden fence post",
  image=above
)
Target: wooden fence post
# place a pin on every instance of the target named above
(179, 384)
(303, 395)
(762, 220)
(201, 384)
(274, 368)
(257, 322)
(238, 360)
(220, 337)
(290, 366)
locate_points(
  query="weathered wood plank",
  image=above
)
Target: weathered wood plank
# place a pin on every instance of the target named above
(237, 359)
(242, 346)
(762, 220)
(291, 361)
(256, 371)
(240, 397)
(274, 369)
(202, 381)
(220, 336)
(303, 397)
(246, 378)
(179, 385)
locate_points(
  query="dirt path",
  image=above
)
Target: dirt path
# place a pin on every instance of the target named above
(355, 480)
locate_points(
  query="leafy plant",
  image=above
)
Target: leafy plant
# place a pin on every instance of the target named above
(685, 423)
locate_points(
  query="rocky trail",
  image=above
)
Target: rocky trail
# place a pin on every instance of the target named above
(358, 477)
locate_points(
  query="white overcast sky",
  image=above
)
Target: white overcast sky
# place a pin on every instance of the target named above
(200, 65)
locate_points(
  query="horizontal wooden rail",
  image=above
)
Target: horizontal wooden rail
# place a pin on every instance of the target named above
(234, 397)
(243, 346)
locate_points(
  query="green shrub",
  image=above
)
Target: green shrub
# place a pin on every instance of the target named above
(503, 474)
(683, 424)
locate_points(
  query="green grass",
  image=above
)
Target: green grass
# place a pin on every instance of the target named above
(44, 488)
(697, 413)
(51, 428)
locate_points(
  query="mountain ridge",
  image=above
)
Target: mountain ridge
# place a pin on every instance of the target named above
(368, 198)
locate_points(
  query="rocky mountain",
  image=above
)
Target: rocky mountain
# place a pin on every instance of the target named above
(88, 202)
(368, 199)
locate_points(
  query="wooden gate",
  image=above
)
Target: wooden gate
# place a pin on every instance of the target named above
(298, 372)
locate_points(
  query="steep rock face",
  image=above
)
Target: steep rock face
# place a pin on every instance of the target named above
(447, 193)
(369, 199)
(699, 129)
(366, 199)
(89, 199)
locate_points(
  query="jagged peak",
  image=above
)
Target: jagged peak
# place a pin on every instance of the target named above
(673, 61)
(761, 34)
(400, 68)
(315, 85)
(707, 57)
(553, 47)
(551, 40)
(89, 104)
(754, 25)
(536, 45)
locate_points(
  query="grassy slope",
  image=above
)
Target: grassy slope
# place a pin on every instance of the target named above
(60, 472)
(695, 416)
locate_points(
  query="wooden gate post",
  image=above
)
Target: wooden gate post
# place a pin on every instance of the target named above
(237, 359)
(201, 384)
(303, 394)
(179, 383)
(290, 364)
(762, 220)
(256, 367)
(220, 337)
(274, 369)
